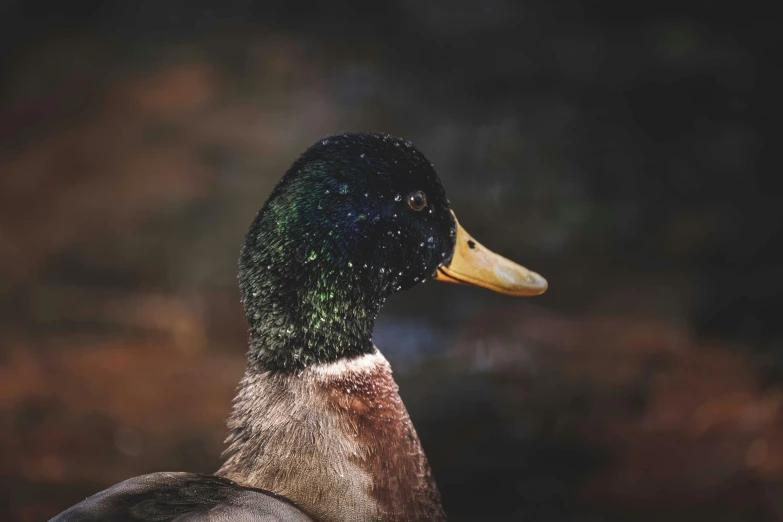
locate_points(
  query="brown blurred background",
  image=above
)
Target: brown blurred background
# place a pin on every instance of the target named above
(617, 148)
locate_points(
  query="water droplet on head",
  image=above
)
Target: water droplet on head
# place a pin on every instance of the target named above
(344, 188)
(398, 197)
(361, 155)
(325, 142)
(326, 191)
(429, 239)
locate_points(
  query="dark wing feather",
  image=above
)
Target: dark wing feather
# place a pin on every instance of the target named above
(182, 497)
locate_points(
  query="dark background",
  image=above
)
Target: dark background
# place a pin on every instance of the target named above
(620, 149)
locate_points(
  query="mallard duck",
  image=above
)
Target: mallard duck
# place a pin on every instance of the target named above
(318, 430)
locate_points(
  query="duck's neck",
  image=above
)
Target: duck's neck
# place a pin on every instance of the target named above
(293, 326)
(307, 296)
(335, 439)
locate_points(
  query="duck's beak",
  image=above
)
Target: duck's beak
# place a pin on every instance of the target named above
(473, 264)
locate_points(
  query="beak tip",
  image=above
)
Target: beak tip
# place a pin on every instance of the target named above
(537, 285)
(541, 282)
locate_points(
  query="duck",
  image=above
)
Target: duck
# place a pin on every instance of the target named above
(318, 431)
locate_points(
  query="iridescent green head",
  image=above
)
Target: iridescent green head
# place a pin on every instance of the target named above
(356, 218)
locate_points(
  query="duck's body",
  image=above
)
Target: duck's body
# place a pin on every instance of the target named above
(350, 450)
(182, 497)
(318, 422)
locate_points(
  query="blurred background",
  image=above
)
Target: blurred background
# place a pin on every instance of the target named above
(617, 148)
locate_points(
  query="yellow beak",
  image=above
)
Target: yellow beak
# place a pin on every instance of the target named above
(474, 264)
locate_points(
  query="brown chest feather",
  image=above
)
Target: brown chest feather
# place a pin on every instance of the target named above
(339, 444)
(372, 412)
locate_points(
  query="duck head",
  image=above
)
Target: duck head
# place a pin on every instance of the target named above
(355, 219)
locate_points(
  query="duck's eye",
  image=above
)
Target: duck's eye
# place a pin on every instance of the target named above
(417, 200)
